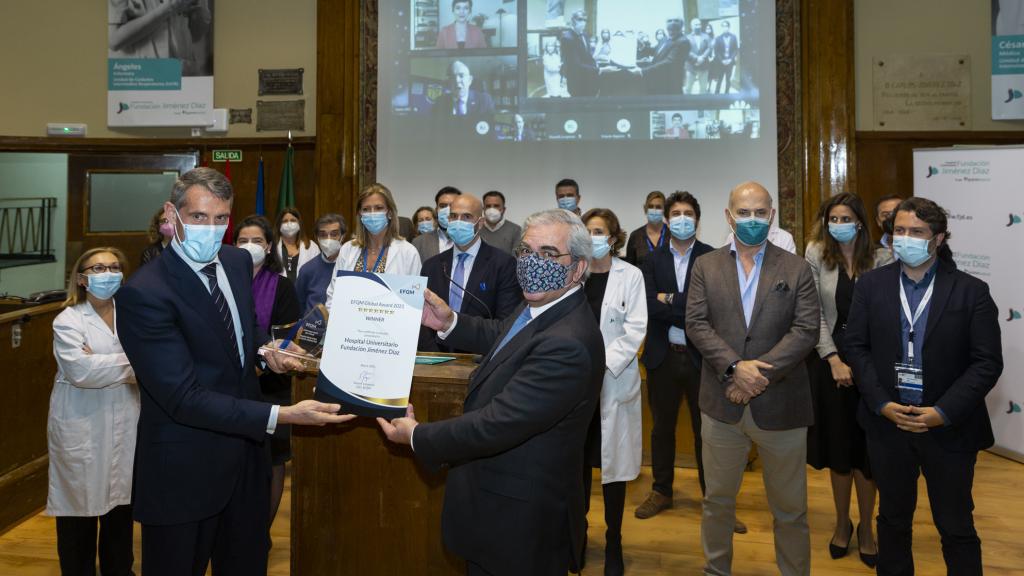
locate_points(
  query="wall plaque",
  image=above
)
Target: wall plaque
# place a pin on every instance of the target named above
(239, 115)
(922, 92)
(282, 81)
(280, 115)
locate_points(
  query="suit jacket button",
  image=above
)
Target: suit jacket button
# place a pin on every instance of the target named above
(747, 339)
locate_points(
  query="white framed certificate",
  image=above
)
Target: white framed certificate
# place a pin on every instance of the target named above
(370, 349)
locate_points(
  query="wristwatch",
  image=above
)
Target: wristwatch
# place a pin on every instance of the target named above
(730, 370)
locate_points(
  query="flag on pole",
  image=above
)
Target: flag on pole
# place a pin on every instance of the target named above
(229, 234)
(260, 209)
(286, 191)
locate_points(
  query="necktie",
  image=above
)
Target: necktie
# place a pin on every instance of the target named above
(454, 292)
(221, 304)
(462, 107)
(520, 322)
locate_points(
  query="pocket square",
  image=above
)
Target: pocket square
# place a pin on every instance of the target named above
(781, 286)
(483, 286)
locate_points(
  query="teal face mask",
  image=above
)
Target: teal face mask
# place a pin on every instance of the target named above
(752, 231)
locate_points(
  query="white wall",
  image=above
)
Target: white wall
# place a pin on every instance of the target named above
(26, 175)
(887, 27)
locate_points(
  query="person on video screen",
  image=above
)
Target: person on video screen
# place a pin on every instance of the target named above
(460, 99)
(578, 63)
(552, 61)
(664, 74)
(522, 132)
(699, 60)
(726, 46)
(461, 34)
(676, 131)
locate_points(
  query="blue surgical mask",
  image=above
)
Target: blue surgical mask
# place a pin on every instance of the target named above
(103, 286)
(751, 231)
(536, 274)
(655, 216)
(374, 222)
(843, 232)
(425, 227)
(461, 232)
(601, 246)
(682, 227)
(567, 203)
(442, 217)
(911, 251)
(202, 241)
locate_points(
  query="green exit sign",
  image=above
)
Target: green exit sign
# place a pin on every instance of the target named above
(226, 155)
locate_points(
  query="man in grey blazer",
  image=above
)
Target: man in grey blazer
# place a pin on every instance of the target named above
(753, 313)
(432, 244)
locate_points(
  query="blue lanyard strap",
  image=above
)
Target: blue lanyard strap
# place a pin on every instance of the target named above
(661, 239)
(366, 253)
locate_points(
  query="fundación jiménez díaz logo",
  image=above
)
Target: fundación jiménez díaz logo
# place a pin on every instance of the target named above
(1013, 315)
(966, 170)
(122, 107)
(1013, 95)
(1014, 219)
(932, 170)
(1014, 408)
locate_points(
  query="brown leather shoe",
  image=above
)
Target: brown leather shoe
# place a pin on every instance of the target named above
(740, 528)
(655, 503)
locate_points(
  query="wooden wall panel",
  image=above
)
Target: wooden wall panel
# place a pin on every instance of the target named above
(25, 395)
(828, 97)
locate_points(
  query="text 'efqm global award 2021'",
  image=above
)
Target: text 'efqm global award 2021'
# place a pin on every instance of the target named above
(370, 348)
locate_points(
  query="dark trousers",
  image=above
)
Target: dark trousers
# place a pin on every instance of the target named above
(614, 494)
(76, 543)
(666, 385)
(722, 75)
(949, 477)
(235, 539)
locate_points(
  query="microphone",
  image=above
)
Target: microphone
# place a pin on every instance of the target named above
(444, 270)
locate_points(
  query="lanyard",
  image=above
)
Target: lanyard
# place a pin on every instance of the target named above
(917, 313)
(379, 256)
(661, 239)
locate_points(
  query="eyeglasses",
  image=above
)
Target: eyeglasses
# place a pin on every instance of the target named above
(524, 251)
(333, 234)
(101, 268)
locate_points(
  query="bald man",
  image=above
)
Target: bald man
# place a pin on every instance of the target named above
(461, 100)
(753, 313)
(487, 274)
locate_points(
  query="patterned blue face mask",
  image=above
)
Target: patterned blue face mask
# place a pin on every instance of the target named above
(539, 275)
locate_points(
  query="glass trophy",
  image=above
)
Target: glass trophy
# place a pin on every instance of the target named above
(307, 334)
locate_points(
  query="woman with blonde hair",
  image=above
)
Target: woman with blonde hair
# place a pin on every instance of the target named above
(376, 245)
(94, 408)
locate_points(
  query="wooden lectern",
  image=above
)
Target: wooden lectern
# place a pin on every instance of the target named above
(361, 505)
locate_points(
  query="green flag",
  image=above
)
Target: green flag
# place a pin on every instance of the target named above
(286, 191)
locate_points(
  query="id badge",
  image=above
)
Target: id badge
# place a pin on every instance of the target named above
(909, 384)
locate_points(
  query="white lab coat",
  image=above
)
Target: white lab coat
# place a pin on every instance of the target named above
(623, 327)
(402, 258)
(94, 410)
(306, 253)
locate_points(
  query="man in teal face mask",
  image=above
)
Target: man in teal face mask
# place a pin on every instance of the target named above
(187, 325)
(753, 313)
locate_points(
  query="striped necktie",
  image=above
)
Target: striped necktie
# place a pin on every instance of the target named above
(221, 304)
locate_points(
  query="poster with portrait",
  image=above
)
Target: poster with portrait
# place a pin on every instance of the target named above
(159, 63)
(1007, 59)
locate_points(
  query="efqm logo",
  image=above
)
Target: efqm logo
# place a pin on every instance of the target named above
(1012, 95)
(1014, 219)
(1013, 315)
(932, 171)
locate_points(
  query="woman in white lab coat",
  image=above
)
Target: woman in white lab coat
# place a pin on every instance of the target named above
(615, 291)
(94, 409)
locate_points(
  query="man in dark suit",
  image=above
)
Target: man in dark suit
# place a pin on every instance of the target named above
(461, 100)
(726, 47)
(924, 344)
(433, 243)
(487, 274)
(673, 369)
(752, 311)
(664, 75)
(698, 59)
(514, 494)
(578, 64)
(202, 465)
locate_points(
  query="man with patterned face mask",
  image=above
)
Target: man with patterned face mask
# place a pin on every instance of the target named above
(514, 495)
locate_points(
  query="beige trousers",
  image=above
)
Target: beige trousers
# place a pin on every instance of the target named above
(784, 456)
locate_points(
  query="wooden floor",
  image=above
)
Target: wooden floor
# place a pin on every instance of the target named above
(670, 542)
